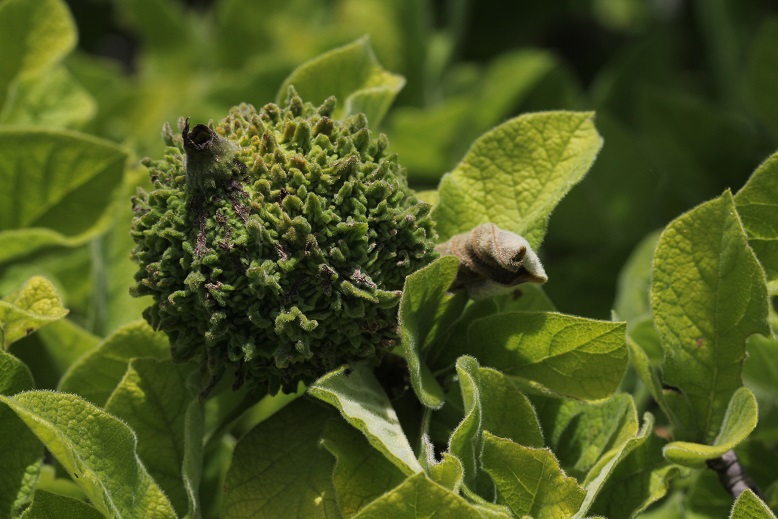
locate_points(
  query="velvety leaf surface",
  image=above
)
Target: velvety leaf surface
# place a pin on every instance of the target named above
(353, 75)
(516, 174)
(580, 433)
(154, 399)
(572, 356)
(65, 342)
(749, 506)
(279, 470)
(361, 400)
(740, 419)
(34, 35)
(448, 472)
(20, 452)
(361, 472)
(640, 479)
(491, 402)
(58, 185)
(95, 375)
(46, 505)
(529, 480)
(603, 472)
(425, 301)
(417, 498)
(708, 295)
(757, 205)
(35, 304)
(53, 99)
(97, 449)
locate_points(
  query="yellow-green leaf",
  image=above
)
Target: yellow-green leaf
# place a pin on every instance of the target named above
(708, 295)
(530, 480)
(35, 304)
(516, 174)
(353, 75)
(98, 450)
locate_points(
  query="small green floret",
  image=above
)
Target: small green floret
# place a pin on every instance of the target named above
(275, 244)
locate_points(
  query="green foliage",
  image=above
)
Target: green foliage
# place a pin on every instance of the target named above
(609, 136)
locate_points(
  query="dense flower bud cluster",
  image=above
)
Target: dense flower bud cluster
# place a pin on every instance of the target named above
(275, 243)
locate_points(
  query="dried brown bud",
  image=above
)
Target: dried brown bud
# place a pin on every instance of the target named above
(492, 261)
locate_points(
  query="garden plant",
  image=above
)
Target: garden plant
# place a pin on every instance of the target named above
(364, 258)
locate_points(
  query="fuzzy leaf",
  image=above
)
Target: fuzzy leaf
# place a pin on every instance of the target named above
(53, 99)
(97, 449)
(34, 35)
(418, 498)
(757, 205)
(632, 300)
(491, 403)
(603, 472)
(572, 356)
(640, 479)
(580, 434)
(58, 188)
(708, 294)
(748, 506)
(35, 304)
(530, 480)
(760, 371)
(516, 174)
(153, 399)
(278, 469)
(46, 505)
(358, 396)
(424, 304)
(740, 419)
(361, 472)
(20, 452)
(448, 472)
(353, 75)
(95, 375)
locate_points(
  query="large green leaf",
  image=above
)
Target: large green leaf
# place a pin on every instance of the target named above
(748, 506)
(708, 294)
(20, 452)
(356, 393)
(46, 505)
(35, 304)
(34, 35)
(757, 205)
(426, 306)
(580, 434)
(740, 419)
(52, 99)
(155, 399)
(516, 174)
(361, 472)
(353, 75)
(530, 480)
(278, 469)
(98, 449)
(95, 375)
(57, 187)
(419, 498)
(572, 356)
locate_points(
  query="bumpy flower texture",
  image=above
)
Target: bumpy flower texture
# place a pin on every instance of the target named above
(275, 243)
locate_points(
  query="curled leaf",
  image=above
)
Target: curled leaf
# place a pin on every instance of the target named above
(492, 261)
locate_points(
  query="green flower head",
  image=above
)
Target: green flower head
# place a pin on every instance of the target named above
(275, 243)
